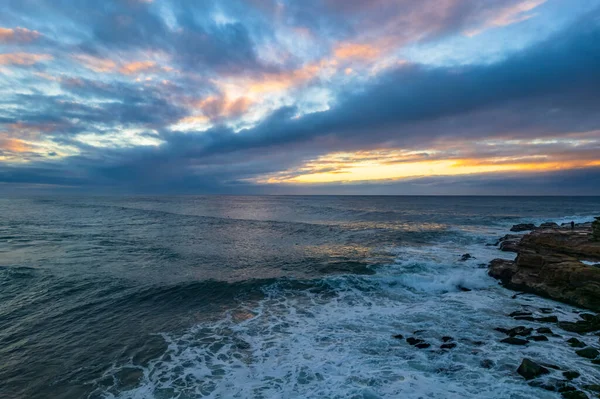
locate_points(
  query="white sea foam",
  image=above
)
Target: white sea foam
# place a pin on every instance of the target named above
(336, 341)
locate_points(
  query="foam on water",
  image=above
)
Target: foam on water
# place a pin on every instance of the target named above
(334, 339)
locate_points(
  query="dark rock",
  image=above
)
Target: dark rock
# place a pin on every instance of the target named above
(450, 345)
(581, 326)
(423, 345)
(571, 375)
(588, 353)
(487, 363)
(596, 229)
(447, 339)
(414, 341)
(522, 227)
(418, 331)
(575, 343)
(596, 361)
(519, 313)
(464, 289)
(587, 316)
(526, 318)
(574, 395)
(538, 338)
(398, 336)
(592, 387)
(520, 330)
(502, 330)
(567, 388)
(546, 310)
(514, 341)
(466, 257)
(530, 369)
(544, 330)
(548, 319)
(550, 366)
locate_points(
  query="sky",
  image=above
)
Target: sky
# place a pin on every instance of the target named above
(432, 97)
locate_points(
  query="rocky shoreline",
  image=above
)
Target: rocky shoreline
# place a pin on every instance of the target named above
(557, 262)
(561, 263)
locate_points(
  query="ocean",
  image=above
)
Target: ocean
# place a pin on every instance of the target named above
(267, 297)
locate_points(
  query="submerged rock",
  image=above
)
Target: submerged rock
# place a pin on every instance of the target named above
(414, 341)
(466, 257)
(530, 369)
(514, 341)
(538, 338)
(398, 336)
(588, 353)
(574, 395)
(575, 343)
(450, 345)
(423, 345)
(571, 375)
(544, 330)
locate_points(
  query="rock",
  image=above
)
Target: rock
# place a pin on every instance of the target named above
(530, 369)
(520, 330)
(592, 387)
(571, 375)
(526, 318)
(596, 229)
(549, 225)
(447, 339)
(450, 345)
(464, 289)
(509, 243)
(502, 330)
(546, 310)
(575, 343)
(548, 319)
(588, 353)
(538, 338)
(587, 316)
(544, 330)
(414, 341)
(522, 227)
(129, 377)
(519, 313)
(574, 395)
(548, 265)
(487, 363)
(398, 336)
(581, 326)
(466, 257)
(423, 345)
(514, 341)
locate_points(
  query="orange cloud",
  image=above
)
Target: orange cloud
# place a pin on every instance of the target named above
(136, 67)
(18, 35)
(217, 107)
(25, 59)
(97, 64)
(14, 145)
(356, 51)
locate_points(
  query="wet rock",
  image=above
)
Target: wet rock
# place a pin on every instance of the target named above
(546, 310)
(450, 345)
(538, 338)
(544, 330)
(530, 369)
(596, 229)
(551, 384)
(581, 326)
(587, 316)
(447, 339)
(522, 227)
(398, 336)
(548, 319)
(574, 395)
(526, 318)
(487, 363)
(567, 388)
(423, 345)
(418, 331)
(592, 387)
(414, 341)
(575, 343)
(464, 289)
(466, 257)
(571, 375)
(502, 330)
(509, 243)
(520, 313)
(514, 341)
(588, 353)
(520, 330)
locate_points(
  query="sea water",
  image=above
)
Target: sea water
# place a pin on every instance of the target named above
(268, 297)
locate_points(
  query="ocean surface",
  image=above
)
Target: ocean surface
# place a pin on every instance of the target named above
(266, 297)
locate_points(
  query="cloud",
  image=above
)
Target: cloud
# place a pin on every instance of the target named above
(23, 59)
(18, 35)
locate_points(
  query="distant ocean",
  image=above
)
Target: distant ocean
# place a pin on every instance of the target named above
(265, 297)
